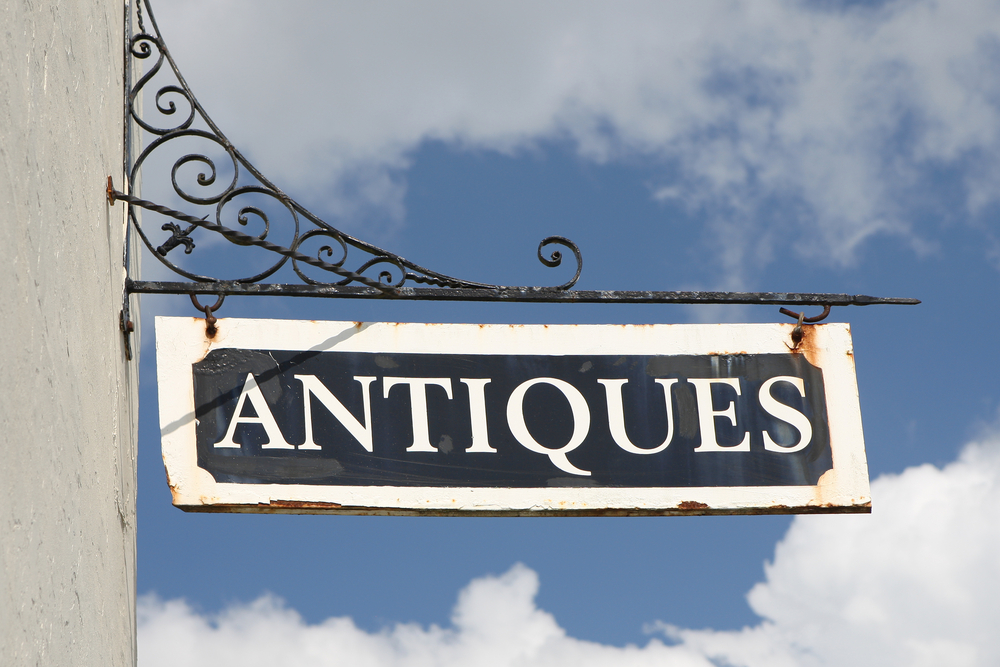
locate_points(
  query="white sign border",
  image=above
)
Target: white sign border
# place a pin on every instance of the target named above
(181, 342)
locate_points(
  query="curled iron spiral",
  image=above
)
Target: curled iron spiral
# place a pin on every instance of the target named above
(181, 120)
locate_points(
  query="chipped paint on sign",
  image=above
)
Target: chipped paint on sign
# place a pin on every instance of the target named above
(281, 416)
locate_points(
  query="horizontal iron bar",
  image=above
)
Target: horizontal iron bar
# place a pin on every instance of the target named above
(512, 294)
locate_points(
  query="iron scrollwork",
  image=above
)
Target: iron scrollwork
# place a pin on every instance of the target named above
(220, 182)
(218, 177)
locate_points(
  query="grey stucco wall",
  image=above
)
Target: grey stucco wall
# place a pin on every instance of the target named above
(67, 393)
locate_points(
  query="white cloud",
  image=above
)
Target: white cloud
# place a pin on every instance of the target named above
(916, 583)
(843, 116)
(495, 623)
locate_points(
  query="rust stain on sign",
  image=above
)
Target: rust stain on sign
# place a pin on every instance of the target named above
(301, 505)
(693, 508)
(692, 505)
(807, 345)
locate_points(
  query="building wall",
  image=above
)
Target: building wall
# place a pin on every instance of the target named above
(67, 393)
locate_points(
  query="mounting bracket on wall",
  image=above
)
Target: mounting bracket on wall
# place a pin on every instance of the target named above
(210, 176)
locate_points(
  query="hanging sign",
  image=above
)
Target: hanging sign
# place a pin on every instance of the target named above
(460, 419)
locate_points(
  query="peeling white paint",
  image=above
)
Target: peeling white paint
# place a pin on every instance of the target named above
(181, 342)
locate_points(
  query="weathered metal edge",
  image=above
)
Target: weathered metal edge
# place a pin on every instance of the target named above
(695, 509)
(513, 294)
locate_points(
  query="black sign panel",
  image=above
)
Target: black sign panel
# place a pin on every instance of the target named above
(511, 421)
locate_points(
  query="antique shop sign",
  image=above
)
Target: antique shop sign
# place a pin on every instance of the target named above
(458, 419)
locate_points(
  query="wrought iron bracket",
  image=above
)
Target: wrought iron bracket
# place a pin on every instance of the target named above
(228, 193)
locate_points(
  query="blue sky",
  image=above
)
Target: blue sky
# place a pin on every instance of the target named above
(827, 147)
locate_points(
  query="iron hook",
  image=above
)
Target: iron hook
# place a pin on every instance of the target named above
(808, 320)
(210, 328)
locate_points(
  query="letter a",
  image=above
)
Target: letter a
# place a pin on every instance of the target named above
(264, 417)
